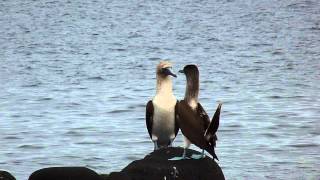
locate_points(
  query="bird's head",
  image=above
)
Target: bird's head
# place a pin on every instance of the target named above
(164, 69)
(191, 71)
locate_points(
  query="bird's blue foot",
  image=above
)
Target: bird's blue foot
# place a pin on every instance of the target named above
(197, 156)
(178, 158)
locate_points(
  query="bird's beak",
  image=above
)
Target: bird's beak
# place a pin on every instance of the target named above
(181, 71)
(167, 72)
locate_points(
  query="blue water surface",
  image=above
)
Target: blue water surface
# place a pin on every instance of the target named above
(75, 77)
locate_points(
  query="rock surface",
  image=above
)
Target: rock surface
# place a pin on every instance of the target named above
(4, 175)
(65, 173)
(156, 166)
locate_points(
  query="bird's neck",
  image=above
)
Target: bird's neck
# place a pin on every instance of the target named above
(164, 86)
(192, 92)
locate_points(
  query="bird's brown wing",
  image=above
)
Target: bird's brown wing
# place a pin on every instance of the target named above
(203, 117)
(190, 124)
(176, 121)
(149, 117)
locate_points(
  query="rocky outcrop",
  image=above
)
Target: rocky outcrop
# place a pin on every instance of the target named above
(4, 175)
(156, 166)
(65, 173)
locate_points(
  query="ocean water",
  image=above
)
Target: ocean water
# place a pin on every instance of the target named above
(75, 77)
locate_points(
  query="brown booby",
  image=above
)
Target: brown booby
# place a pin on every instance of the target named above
(161, 110)
(193, 119)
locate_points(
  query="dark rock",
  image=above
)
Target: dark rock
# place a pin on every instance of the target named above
(4, 175)
(64, 173)
(104, 176)
(156, 166)
(118, 176)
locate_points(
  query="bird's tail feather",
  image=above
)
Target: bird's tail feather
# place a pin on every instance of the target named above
(212, 152)
(214, 124)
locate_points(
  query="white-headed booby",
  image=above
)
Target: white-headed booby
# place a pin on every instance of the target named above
(193, 119)
(161, 110)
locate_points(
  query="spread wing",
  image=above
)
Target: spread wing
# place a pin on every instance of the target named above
(203, 116)
(213, 127)
(149, 117)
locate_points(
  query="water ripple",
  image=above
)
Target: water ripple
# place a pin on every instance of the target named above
(71, 77)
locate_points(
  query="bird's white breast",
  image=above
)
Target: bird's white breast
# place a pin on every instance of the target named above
(164, 115)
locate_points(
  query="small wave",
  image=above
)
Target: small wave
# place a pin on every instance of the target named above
(282, 116)
(70, 157)
(260, 62)
(296, 97)
(247, 56)
(74, 104)
(87, 143)
(276, 149)
(96, 78)
(304, 145)
(306, 126)
(32, 85)
(73, 133)
(119, 111)
(234, 125)
(213, 39)
(301, 5)
(154, 59)
(66, 14)
(119, 49)
(116, 97)
(16, 115)
(226, 130)
(154, 48)
(29, 68)
(277, 53)
(260, 44)
(181, 38)
(302, 85)
(29, 146)
(11, 137)
(135, 35)
(208, 81)
(271, 135)
(315, 28)
(255, 69)
(315, 132)
(45, 99)
(275, 97)
(81, 88)
(46, 163)
(85, 115)
(273, 127)
(132, 107)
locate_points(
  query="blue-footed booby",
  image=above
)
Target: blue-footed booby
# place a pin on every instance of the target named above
(193, 119)
(161, 110)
